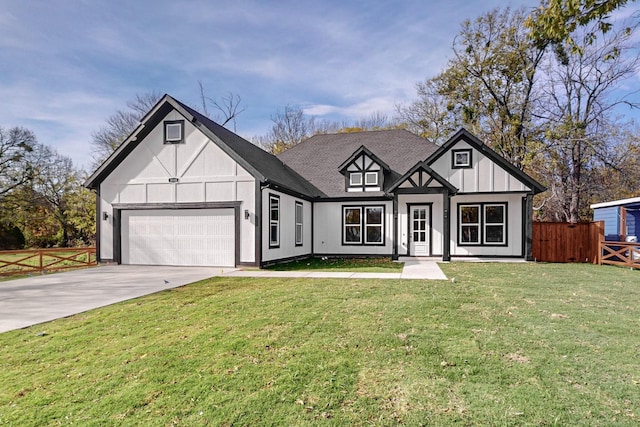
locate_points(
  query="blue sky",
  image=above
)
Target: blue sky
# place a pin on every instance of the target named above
(65, 66)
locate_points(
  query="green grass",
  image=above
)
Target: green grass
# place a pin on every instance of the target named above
(505, 344)
(370, 265)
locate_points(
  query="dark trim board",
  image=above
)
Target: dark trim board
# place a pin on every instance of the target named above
(284, 260)
(117, 220)
(258, 223)
(98, 223)
(390, 255)
(197, 205)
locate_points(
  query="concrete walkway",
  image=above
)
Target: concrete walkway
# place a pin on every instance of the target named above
(414, 268)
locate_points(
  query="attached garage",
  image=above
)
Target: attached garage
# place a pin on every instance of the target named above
(187, 237)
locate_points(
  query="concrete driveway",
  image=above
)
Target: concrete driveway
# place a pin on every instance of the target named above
(26, 302)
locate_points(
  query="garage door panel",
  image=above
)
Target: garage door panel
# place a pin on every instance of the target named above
(179, 237)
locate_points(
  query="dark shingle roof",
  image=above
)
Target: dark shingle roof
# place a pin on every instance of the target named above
(318, 159)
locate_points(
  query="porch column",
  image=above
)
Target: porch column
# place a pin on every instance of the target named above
(528, 227)
(394, 237)
(446, 219)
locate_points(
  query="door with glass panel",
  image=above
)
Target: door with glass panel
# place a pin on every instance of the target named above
(419, 231)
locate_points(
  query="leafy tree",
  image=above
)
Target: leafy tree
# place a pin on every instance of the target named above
(556, 21)
(490, 83)
(489, 86)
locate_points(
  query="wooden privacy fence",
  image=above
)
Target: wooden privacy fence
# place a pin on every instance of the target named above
(567, 242)
(43, 260)
(620, 253)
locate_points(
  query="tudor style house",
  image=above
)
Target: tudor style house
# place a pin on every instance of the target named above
(182, 190)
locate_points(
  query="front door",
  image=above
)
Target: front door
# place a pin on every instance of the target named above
(419, 233)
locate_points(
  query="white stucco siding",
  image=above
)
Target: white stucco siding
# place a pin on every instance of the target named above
(484, 176)
(204, 173)
(286, 247)
(328, 229)
(436, 221)
(513, 227)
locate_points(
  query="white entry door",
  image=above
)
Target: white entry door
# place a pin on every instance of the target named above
(419, 233)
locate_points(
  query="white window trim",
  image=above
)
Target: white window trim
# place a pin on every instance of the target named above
(299, 223)
(367, 175)
(352, 181)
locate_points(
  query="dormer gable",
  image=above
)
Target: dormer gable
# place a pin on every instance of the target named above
(363, 171)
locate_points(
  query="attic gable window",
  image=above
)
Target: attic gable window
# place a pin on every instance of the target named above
(363, 173)
(174, 132)
(461, 159)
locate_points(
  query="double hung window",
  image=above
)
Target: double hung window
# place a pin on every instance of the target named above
(274, 221)
(298, 225)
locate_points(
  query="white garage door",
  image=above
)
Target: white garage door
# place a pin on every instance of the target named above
(179, 237)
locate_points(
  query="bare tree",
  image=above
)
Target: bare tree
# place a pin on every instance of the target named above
(120, 124)
(579, 105)
(15, 145)
(429, 116)
(229, 107)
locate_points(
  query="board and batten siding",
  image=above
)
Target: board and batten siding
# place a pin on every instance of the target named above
(485, 176)
(205, 173)
(287, 247)
(328, 231)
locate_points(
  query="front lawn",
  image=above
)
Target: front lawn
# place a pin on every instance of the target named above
(504, 344)
(369, 265)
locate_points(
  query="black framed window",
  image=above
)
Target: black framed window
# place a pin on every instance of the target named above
(352, 225)
(363, 225)
(482, 223)
(495, 223)
(298, 220)
(274, 221)
(173, 131)
(470, 224)
(373, 217)
(461, 159)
